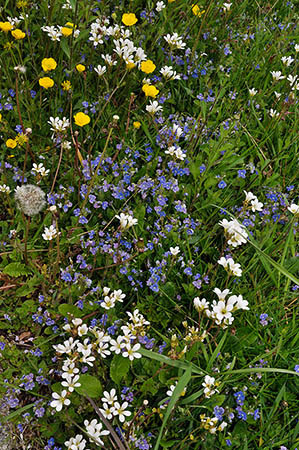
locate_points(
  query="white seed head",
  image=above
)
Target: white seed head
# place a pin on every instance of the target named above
(30, 199)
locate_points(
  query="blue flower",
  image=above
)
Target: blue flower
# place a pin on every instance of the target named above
(222, 184)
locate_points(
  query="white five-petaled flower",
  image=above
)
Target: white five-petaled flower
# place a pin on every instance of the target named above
(174, 250)
(60, 400)
(200, 305)
(131, 352)
(100, 70)
(294, 209)
(252, 92)
(71, 382)
(109, 397)
(121, 411)
(153, 107)
(277, 75)
(49, 233)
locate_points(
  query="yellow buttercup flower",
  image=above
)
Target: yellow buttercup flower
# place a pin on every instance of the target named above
(5, 26)
(136, 125)
(66, 85)
(129, 19)
(196, 11)
(150, 90)
(18, 34)
(0, 117)
(46, 82)
(80, 67)
(67, 29)
(130, 66)
(49, 64)
(147, 66)
(11, 143)
(81, 119)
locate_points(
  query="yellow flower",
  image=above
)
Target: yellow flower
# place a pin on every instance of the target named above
(129, 19)
(136, 125)
(81, 119)
(21, 139)
(5, 26)
(0, 117)
(196, 11)
(147, 66)
(11, 143)
(46, 82)
(49, 64)
(150, 90)
(130, 65)
(22, 4)
(171, 1)
(80, 67)
(18, 34)
(66, 85)
(67, 29)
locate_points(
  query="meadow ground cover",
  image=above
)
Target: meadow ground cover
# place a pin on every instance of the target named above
(149, 274)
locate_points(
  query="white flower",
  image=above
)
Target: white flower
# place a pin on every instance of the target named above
(238, 302)
(169, 73)
(235, 232)
(277, 95)
(222, 310)
(59, 400)
(59, 125)
(296, 48)
(131, 352)
(67, 347)
(172, 388)
(103, 350)
(117, 345)
(208, 384)
(118, 295)
(126, 221)
(76, 443)
(82, 329)
(4, 188)
(100, 70)
(71, 382)
(277, 75)
(85, 348)
(174, 250)
(292, 79)
(273, 113)
(94, 430)
(109, 397)
(287, 60)
(40, 169)
(226, 6)
(108, 60)
(160, 6)
(175, 41)
(153, 107)
(294, 209)
(121, 411)
(200, 305)
(107, 411)
(221, 294)
(49, 233)
(252, 92)
(69, 369)
(179, 154)
(256, 205)
(108, 303)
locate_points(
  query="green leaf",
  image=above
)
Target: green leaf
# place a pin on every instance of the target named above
(16, 269)
(119, 368)
(65, 47)
(171, 362)
(66, 309)
(182, 383)
(17, 412)
(90, 386)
